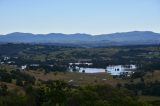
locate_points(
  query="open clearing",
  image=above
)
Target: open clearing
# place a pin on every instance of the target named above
(77, 78)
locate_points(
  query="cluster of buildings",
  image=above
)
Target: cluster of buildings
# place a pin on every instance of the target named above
(85, 67)
(118, 70)
(6, 60)
(23, 67)
(115, 70)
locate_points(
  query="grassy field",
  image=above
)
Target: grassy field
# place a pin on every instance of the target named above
(77, 78)
(149, 98)
(152, 76)
(83, 79)
(89, 79)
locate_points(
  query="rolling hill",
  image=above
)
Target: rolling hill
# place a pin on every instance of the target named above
(124, 38)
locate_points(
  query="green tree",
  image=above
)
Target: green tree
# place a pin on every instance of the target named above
(56, 93)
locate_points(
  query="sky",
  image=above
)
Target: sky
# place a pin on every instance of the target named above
(79, 16)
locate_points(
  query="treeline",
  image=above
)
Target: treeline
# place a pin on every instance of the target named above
(22, 79)
(58, 93)
(48, 68)
(145, 57)
(142, 88)
(12, 49)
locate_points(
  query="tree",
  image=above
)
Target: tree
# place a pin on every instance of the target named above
(56, 93)
(19, 82)
(3, 90)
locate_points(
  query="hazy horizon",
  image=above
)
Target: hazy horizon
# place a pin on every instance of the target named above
(77, 33)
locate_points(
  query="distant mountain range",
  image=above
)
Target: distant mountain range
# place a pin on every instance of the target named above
(124, 38)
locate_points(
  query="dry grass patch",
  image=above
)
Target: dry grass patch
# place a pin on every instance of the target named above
(78, 78)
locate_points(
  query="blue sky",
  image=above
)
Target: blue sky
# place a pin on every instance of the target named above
(79, 16)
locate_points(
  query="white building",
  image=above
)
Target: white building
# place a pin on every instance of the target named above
(121, 69)
(92, 70)
(71, 68)
(6, 58)
(23, 67)
(86, 70)
(2, 62)
(34, 65)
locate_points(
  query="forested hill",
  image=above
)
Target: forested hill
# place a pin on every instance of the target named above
(125, 38)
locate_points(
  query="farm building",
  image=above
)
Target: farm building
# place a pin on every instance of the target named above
(118, 70)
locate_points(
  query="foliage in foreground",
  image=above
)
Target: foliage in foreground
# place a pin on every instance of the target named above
(58, 93)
